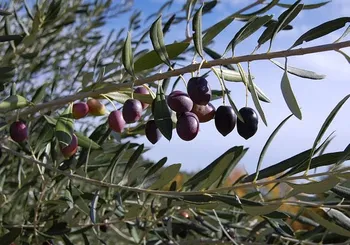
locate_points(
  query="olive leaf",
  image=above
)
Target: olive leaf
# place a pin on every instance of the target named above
(127, 56)
(321, 30)
(197, 31)
(157, 39)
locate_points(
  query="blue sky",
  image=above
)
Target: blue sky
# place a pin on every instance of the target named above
(316, 97)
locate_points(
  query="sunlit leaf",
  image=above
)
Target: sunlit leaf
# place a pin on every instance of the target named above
(86, 142)
(13, 102)
(329, 225)
(151, 59)
(299, 72)
(289, 96)
(64, 127)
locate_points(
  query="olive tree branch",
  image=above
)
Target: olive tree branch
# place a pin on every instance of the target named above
(177, 72)
(95, 182)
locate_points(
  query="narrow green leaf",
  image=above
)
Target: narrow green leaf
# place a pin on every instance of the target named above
(66, 240)
(208, 6)
(4, 12)
(162, 114)
(115, 161)
(93, 207)
(156, 35)
(197, 31)
(13, 102)
(260, 210)
(321, 30)
(268, 6)
(315, 187)
(9, 38)
(339, 217)
(86, 142)
(303, 164)
(306, 6)
(289, 97)
(11, 236)
(249, 81)
(234, 76)
(296, 160)
(283, 20)
(299, 72)
(341, 191)
(267, 144)
(132, 160)
(127, 56)
(204, 173)
(327, 224)
(156, 167)
(168, 23)
(151, 59)
(85, 238)
(247, 30)
(64, 127)
(228, 171)
(166, 176)
(214, 30)
(286, 17)
(326, 124)
(219, 168)
(40, 93)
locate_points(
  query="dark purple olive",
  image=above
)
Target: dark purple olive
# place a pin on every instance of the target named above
(204, 112)
(225, 119)
(142, 90)
(199, 90)
(187, 126)
(116, 121)
(249, 127)
(179, 101)
(153, 134)
(18, 131)
(132, 110)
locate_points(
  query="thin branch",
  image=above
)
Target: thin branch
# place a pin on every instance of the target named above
(49, 166)
(187, 69)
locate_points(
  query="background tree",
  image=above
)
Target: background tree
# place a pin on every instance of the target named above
(70, 170)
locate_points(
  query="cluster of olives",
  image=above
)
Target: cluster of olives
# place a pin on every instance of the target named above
(191, 108)
(194, 107)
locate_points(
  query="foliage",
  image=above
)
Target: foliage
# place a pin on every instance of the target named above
(54, 53)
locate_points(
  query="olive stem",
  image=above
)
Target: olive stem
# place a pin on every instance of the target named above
(223, 88)
(187, 69)
(110, 101)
